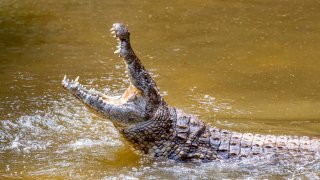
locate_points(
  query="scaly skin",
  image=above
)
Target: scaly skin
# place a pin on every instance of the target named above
(158, 130)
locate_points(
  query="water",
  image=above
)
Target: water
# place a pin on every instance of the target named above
(249, 66)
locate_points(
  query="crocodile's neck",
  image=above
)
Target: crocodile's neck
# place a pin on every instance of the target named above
(155, 136)
(184, 137)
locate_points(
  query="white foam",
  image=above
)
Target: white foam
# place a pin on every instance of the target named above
(89, 143)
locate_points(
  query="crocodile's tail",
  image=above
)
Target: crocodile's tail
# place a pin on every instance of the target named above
(196, 140)
(231, 144)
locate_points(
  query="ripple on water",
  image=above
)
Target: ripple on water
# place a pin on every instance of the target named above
(261, 167)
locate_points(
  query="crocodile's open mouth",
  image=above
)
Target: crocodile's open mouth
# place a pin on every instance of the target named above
(141, 99)
(91, 95)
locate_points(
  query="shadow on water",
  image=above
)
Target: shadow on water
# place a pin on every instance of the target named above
(248, 66)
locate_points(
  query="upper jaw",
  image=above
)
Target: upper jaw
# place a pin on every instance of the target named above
(123, 36)
(120, 31)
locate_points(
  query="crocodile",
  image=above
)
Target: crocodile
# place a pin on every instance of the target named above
(156, 129)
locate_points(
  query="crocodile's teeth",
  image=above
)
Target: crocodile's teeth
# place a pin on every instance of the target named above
(65, 77)
(76, 80)
(117, 51)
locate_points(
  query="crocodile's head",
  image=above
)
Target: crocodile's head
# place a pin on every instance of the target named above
(138, 103)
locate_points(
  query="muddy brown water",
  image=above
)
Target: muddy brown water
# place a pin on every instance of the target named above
(248, 66)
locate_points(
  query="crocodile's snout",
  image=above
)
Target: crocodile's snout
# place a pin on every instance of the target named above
(120, 31)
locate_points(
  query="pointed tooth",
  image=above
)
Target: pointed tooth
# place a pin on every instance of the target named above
(117, 51)
(114, 36)
(112, 29)
(65, 77)
(76, 80)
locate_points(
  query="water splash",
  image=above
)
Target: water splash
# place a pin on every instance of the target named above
(55, 140)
